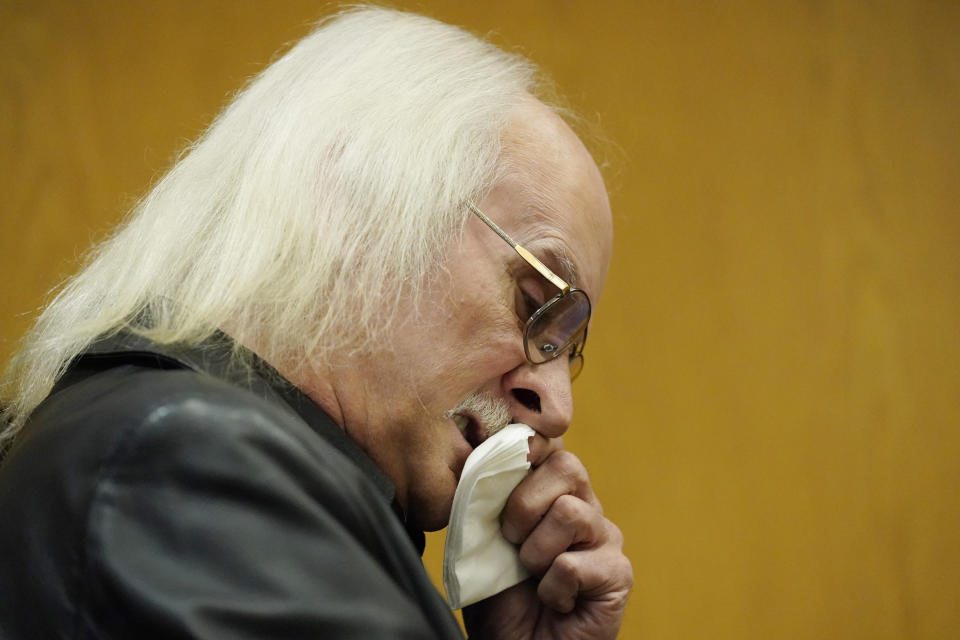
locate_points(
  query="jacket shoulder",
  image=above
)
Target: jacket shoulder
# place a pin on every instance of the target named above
(179, 500)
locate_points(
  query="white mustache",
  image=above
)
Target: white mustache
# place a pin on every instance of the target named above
(491, 412)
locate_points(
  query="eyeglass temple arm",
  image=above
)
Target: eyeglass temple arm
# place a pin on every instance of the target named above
(543, 269)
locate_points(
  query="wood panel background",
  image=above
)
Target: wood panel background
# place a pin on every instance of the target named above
(770, 408)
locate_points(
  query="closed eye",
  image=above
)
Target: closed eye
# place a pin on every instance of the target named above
(529, 306)
(531, 295)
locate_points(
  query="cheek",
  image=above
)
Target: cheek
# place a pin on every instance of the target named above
(488, 328)
(495, 348)
(469, 331)
(477, 346)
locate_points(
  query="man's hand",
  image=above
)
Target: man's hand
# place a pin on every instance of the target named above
(581, 577)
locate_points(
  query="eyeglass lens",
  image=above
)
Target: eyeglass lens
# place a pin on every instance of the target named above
(557, 325)
(576, 366)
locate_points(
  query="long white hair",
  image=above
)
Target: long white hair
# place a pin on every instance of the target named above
(322, 194)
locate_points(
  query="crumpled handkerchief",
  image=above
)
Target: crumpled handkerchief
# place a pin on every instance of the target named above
(478, 561)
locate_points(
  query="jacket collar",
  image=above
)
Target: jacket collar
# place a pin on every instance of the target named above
(221, 357)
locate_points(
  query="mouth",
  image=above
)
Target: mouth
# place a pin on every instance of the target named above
(471, 430)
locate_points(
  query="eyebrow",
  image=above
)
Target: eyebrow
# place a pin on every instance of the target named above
(558, 260)
(554, 251)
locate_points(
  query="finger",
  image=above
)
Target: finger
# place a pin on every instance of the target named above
(541, 447)
(570, 522)
(601, 574)
(561, 473)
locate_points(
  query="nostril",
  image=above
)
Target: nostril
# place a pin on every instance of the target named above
(529, 399)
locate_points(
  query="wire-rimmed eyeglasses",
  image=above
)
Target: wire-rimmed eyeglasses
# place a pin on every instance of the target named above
(560, 324)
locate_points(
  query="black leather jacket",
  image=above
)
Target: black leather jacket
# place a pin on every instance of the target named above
(167, 493)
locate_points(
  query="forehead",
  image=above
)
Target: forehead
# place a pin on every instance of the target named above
(552, 196)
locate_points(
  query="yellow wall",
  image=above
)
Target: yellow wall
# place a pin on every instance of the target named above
(771, 404)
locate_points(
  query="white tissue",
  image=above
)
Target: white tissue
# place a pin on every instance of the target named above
(478, 561)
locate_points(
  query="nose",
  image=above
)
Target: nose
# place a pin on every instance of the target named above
(540, 396)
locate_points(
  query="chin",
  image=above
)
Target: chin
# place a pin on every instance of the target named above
(427, 496)
(430, 512)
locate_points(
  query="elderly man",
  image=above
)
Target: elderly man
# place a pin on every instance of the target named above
(236, 418)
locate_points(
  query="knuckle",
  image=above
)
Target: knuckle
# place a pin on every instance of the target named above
(614, 534)
(568, 509)
(567, 464)
(522, 504)
(530, 557)
(565, 568)
(626, 570)
(518, 517)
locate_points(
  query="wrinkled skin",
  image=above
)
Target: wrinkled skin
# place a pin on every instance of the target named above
(582, 577)
(467, 338)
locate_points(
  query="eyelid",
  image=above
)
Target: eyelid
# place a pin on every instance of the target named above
(530, 297)
(536, 287)
(530, 304)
